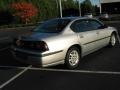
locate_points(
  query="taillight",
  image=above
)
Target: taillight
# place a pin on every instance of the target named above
(41, 45)
(18, 43)
(32, 45)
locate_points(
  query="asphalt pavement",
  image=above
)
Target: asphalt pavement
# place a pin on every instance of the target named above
(97, 71)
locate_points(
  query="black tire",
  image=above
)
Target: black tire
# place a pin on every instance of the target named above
(113, 40)
(69, 63)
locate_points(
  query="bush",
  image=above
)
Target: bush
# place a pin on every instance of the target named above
(5, 17)
(25, 11)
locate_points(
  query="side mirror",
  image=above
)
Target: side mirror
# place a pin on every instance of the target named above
(103, 27)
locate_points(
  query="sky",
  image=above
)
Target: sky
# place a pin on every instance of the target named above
(94, 2)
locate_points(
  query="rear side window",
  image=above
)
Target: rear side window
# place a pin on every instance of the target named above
(53, 26)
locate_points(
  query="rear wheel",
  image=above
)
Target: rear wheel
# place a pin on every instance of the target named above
(113, 40)
(72, 58)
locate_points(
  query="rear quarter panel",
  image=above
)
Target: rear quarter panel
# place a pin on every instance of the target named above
(61, 43)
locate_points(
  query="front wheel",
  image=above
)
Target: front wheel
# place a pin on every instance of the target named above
(72, 58)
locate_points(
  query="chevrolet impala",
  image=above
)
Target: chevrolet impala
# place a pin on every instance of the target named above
(63, 41)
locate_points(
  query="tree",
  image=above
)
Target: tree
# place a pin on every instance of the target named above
(25, 11)
(97, 9)
(46, 9)
(70, 8)
(87, 7)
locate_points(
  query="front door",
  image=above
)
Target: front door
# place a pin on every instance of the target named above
(86, 35)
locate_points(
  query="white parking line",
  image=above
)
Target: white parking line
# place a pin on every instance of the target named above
(62, 70)
(77, 71)
(52, 70)
(14, 77)
(14, 67)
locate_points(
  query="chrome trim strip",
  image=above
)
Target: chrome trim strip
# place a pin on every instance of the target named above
(51, 53)
(95, 40)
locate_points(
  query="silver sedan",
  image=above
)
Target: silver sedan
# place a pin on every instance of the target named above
(63, 41)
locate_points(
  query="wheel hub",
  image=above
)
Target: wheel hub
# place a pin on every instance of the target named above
(73, 57)
(113, 40)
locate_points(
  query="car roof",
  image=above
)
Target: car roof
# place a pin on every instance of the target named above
(71, 18)
(74, 18)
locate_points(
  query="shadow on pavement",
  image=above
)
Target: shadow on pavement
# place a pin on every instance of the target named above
(6, 59)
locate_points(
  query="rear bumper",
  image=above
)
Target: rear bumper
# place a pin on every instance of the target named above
(35, 58)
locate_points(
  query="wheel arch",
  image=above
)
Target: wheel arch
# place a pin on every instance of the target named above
(78, 46)
(114, 32)
(66, 60)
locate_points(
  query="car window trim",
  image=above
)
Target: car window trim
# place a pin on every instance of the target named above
(86, 20)
(97, 22)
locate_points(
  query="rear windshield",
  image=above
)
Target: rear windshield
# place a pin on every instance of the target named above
(52, 26)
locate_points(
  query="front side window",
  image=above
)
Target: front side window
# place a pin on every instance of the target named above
(95, 24)
(85, 25)
(53, 26)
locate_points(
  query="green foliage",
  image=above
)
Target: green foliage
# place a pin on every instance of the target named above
(87, 7)
(69, 4)
(48, 9)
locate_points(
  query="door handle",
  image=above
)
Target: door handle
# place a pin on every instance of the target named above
(81, 36)
(97, 32)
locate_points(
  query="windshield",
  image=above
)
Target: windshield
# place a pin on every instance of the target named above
(52, 26)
